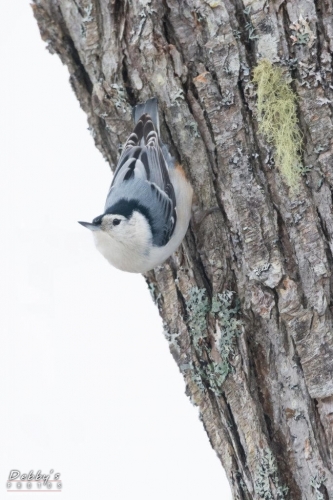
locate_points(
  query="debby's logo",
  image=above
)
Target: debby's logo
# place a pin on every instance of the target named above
(18, 482)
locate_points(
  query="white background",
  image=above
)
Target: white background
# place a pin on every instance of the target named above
(87, 384)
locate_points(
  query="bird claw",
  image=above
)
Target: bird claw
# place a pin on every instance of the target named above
(200, 215)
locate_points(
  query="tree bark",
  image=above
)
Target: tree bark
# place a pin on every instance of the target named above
(247, 300)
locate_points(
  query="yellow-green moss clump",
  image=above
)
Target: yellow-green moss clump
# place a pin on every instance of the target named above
(277, 116)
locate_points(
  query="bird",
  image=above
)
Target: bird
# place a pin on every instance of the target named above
(148, 207)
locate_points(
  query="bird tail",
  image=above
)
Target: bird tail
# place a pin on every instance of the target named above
(149, 107)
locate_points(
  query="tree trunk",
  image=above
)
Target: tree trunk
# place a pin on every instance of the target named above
(247, 300)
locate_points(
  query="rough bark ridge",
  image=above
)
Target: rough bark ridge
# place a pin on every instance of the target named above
(257, 361)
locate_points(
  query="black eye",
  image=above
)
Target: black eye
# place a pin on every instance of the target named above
(115, 222)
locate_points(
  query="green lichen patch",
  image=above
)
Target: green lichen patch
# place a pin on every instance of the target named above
(268, 484)
(211, 373)
(302, 33)
(216, 373)
(316, 483)
(197, 307)
(229, 325)
(278, 122)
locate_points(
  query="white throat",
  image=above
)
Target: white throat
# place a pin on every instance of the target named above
(126, 247)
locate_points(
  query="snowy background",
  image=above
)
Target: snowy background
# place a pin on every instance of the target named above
(87, 384)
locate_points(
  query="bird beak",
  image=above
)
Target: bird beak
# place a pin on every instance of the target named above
(89, 225)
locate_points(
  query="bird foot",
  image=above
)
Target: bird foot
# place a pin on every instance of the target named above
(200, 215)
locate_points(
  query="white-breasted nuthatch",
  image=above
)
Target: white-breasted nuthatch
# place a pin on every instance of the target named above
(148, 207)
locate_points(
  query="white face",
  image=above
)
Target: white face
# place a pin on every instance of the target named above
(125, 243)
(134, 231)
(115, 225)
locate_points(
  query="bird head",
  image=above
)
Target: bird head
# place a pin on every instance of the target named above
(131, 231)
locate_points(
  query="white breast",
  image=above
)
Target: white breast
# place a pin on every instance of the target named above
(132, 250)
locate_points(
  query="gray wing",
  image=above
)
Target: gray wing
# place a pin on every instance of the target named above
(142, 175)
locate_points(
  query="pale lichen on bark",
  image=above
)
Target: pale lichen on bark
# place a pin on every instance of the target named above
(269, 418)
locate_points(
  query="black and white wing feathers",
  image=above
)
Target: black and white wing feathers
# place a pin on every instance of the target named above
(142, 178)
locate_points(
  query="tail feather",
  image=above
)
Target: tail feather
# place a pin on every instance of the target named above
(151, 108)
